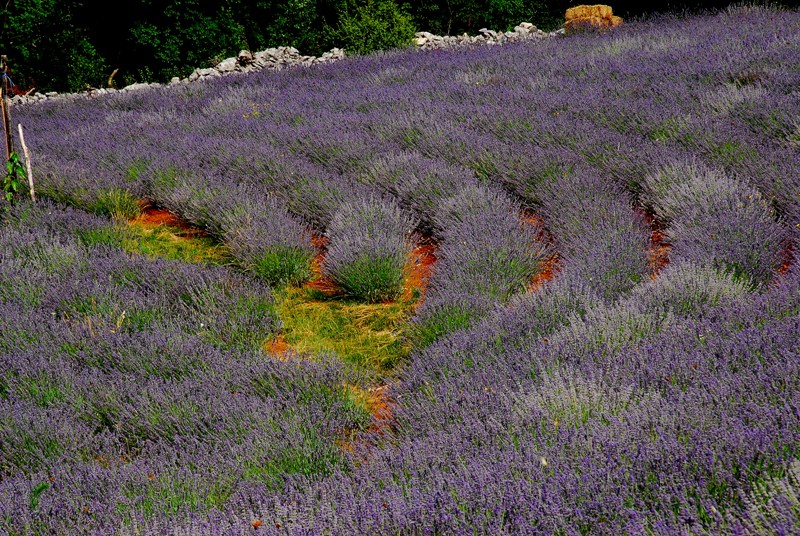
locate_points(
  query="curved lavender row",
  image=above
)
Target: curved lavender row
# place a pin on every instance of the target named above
(421, 185)
(683, 290)
(599, 237)
(714, 219)
(487, 255)
(562, 320)
(263, 237)
(368, 247)
(92, 156)
(307, 189)
(106, 286)
(581, 206)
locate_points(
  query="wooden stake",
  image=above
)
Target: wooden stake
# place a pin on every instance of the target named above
(27, 161)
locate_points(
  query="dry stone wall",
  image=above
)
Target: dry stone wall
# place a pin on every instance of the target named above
(282, 57)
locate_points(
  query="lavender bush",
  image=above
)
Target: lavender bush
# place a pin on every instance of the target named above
(368, 245)
(485, 259)
(262, 236)
(471, 199)
(601, 239)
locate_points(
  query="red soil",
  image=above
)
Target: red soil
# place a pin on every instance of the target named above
(533, 219)
(548, 270)
(277, 347)
(418, 270)
(658, 255)
(152, 216)
(320, 281)
(787, 255)
(550, 266)
(381, 406)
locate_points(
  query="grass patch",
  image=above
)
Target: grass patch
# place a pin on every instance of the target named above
(118, 204)
(172, 494)
(315, 455)
(109, 235)
(168, 242)
(371, 279)
(41, 391)
(368, 335)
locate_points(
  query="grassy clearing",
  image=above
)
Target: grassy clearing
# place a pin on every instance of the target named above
(368, 335)
(174, 243)
(317, 318)
(163, 241)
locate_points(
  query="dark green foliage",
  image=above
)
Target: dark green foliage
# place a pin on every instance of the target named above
(177, 36)
(116, 203)
(70, 45)
(14, 175)
(296, 23)
(376, 25)
(459, 16)
(49, 47)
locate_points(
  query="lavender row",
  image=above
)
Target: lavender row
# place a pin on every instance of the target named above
(487, 253)
(104, 286)
(263, 237)
(486, 257)
(600, 238)
(367, 253)
(716, 220)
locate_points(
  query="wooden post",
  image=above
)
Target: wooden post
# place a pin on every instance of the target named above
(111, 78)
(6, 107)
(27, 161)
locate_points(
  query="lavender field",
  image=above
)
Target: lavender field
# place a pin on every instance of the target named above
(608, 342)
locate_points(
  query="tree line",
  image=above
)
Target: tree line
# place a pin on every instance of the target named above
(69, 45)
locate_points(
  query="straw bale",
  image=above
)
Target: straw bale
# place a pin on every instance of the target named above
(584, 11)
